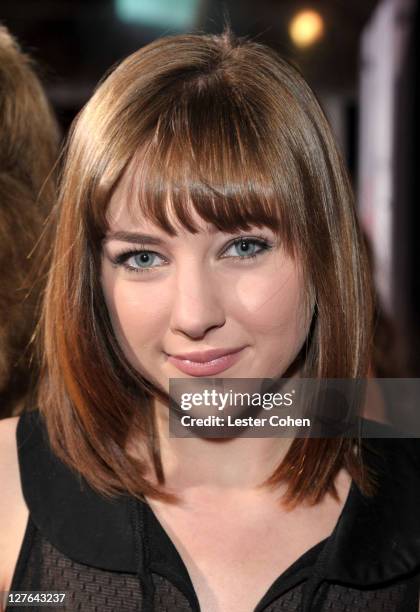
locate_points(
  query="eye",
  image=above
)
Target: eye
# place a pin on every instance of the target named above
(137, 261)
(140, 261)
(247, 248)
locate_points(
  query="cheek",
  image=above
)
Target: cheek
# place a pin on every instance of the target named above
(136, 318)
(272, 302)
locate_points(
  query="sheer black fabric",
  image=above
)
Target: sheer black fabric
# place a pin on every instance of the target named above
(90, 589)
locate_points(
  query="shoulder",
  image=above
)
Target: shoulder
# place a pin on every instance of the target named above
(75, 519)
(385, 440)
(14, 432)
(359, 554)
(9, 465)
(13, 509)
(9, 470)
(394, 461)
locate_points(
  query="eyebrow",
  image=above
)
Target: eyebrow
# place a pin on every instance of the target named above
(137, 238)
(133, 237)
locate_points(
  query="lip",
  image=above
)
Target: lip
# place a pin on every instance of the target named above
(206, 363)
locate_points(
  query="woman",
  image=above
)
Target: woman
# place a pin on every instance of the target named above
(205, 227)
(28, 149)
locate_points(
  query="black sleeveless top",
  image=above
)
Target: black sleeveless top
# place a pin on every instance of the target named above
(114, 555)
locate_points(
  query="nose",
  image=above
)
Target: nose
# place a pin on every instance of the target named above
(197, 305)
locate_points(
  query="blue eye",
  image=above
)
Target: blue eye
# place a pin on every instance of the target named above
(144, 259)
(137, 261)
(246, 247)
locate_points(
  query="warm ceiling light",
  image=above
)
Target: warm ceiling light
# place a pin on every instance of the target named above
(306, 28)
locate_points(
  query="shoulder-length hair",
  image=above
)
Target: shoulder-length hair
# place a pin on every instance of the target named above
(226, 125)
(28, 150)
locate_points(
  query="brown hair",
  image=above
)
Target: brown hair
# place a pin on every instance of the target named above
(28, 146)
(226, 125)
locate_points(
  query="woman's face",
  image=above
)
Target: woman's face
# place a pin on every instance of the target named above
(171, 296)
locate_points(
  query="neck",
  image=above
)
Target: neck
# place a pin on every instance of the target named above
(216, 464)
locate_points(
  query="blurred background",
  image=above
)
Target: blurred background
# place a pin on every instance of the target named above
(358, 56)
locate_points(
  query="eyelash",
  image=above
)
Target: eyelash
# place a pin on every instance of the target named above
(121, 258)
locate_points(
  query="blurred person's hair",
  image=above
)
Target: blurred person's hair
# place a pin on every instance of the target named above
(387, 350)
(226, 126)
(28, 147)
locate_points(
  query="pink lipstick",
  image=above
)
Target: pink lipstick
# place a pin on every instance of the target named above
(206, 363)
